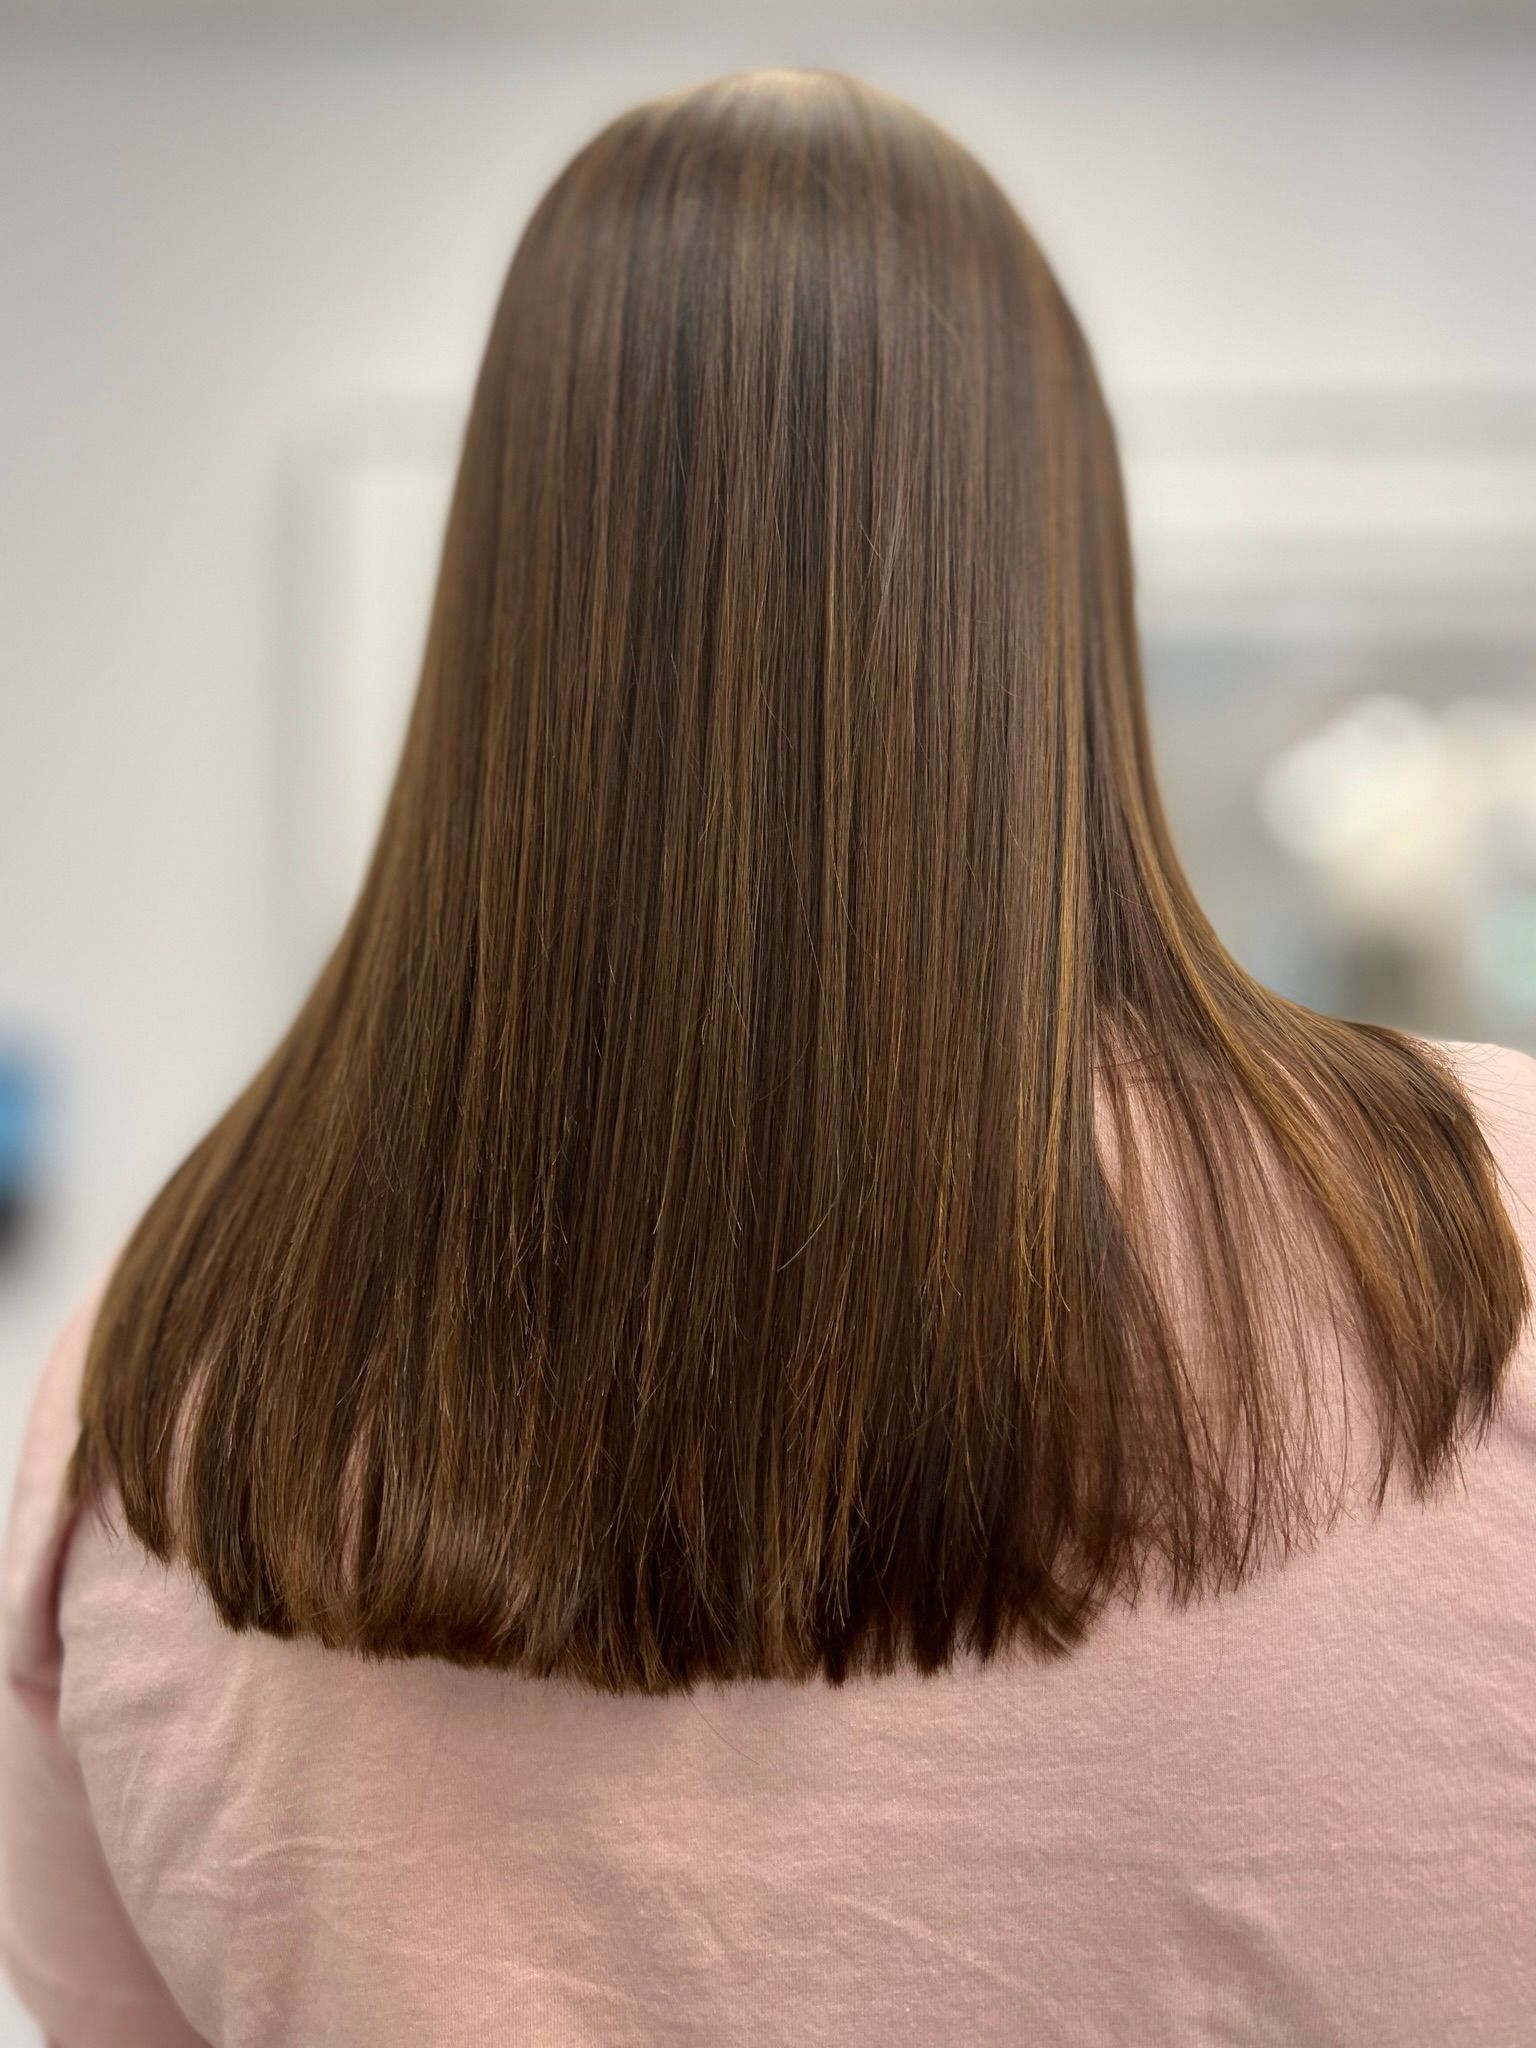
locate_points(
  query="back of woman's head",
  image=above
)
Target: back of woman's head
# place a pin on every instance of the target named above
(778, 1175)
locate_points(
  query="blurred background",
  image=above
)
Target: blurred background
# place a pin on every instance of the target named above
(248, 253)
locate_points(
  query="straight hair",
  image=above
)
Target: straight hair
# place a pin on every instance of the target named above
(778, 1176)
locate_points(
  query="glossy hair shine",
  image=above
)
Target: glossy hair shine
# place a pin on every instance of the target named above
(778, 1175)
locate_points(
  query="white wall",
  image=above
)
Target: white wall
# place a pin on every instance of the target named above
(209, 253)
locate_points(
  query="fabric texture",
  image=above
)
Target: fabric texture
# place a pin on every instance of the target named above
(1301, 1814)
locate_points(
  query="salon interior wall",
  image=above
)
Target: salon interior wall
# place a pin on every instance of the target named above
(214, 249)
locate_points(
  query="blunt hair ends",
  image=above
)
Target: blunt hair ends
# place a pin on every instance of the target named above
(778, 1176)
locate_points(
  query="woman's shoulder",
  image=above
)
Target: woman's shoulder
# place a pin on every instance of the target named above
(1502, 1073)
(40, 1518)
(1500, 1083)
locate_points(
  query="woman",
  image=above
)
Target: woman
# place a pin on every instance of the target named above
(792, 1411)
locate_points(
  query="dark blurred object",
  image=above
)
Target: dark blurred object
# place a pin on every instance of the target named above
(22, 1094)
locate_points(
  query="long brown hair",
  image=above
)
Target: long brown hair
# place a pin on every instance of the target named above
(778, 1175)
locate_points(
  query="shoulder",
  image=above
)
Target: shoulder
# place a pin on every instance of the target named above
(39, 1522)
(1500, 1084)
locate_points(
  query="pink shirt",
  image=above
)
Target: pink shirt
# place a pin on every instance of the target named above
(1302, 1814)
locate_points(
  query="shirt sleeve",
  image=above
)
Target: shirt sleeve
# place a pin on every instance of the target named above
(67, 1942)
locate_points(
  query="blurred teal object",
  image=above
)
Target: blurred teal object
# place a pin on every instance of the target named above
(21, 1144)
